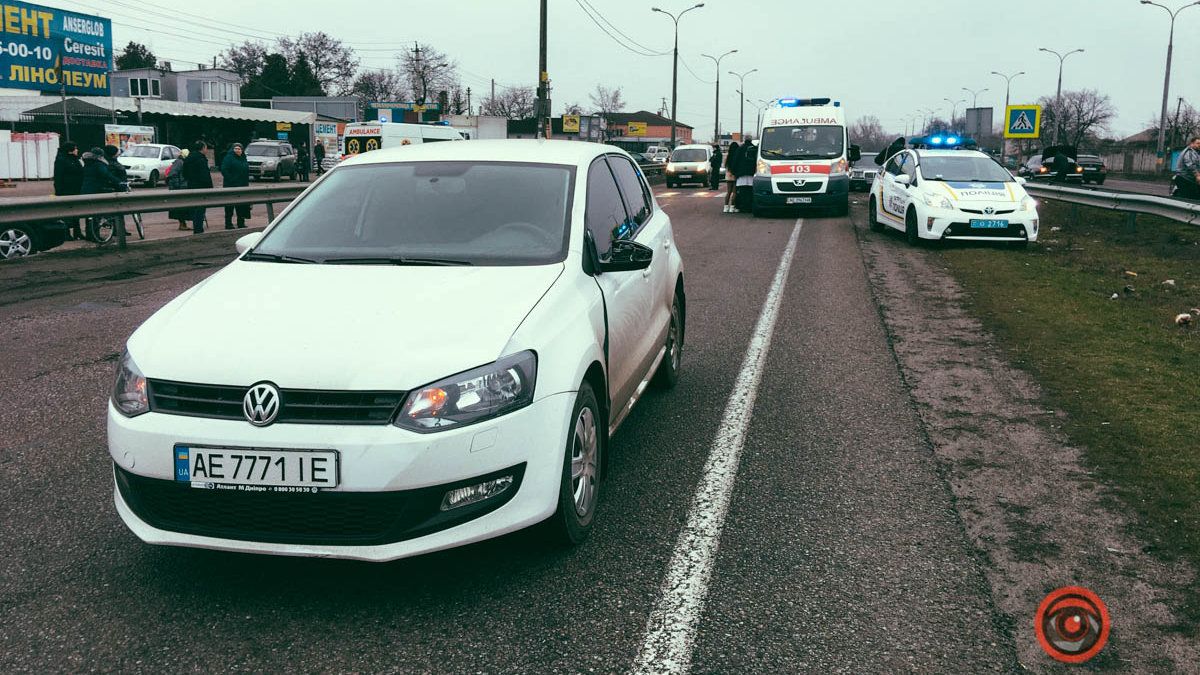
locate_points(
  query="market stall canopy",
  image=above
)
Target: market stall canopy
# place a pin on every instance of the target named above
(13, 109)
(76, 110)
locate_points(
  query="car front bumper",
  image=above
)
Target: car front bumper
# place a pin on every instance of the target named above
(955, 225)
(836, 193)
(389, 475)
(137, 176)
(260, 171)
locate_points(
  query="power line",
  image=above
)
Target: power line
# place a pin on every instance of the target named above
(638, 51)
(689, 69)
(622, 33)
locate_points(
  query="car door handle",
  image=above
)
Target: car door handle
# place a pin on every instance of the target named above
(667, 243)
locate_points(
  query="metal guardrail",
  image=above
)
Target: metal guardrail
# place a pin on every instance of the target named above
(32, 209)
(1131, 203)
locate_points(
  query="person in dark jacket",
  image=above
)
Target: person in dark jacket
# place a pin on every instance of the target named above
(97, 176)
(714, 167)
(175, 181)
(68, 178)
(747, 166)
(235, 172)
(196, 173)
(731, 161)
(319, 155)
(303, 163)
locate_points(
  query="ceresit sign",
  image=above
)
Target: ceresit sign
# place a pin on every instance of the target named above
(44, 48)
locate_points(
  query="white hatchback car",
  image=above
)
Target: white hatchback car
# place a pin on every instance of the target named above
(431, 346)
(951, 194)
(147, 163)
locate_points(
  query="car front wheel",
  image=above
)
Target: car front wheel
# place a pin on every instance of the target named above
(16, 242)
(152, 181)
(579, 487)
(910, 228)
(873, 217)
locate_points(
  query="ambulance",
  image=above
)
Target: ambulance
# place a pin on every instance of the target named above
(362, 137)
(804, 156)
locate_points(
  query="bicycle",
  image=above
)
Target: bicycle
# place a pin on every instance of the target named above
(102, 229)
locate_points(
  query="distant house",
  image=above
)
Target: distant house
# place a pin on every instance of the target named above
(658, 130)
(1148, 138)
(206, 85)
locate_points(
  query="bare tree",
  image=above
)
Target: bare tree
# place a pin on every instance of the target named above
(1079, 117)
(456, 102)
(868, 133)
(332, 62)
(515, 103)
(245, 59)
(428, 71)
(606, 100)
(378, 85)
(573, 109)
(1182, 125)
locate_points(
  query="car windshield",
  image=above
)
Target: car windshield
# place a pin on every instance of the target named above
(689, 155)
(963, 168)
(255, 150)
(473, 213)
(802, 142)
(141, 151)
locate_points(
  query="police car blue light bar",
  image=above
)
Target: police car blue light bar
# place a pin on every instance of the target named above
(793, 102)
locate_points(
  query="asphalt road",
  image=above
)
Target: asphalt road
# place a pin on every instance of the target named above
(841, 549)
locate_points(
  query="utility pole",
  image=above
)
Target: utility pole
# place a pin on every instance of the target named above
(674, 65)
(1167, 77)
(742, 95)
(543, 102)
(717, 105)
(1058, 93)
(1175, 126)
(662, 107)
(493, 98)
(468, 101)
(63, 91)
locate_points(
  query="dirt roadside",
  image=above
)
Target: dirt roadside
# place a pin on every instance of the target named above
(1038, 518)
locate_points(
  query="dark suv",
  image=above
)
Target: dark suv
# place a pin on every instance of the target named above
(271, 159)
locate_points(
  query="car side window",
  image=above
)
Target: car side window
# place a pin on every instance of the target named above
(909, 166)
(605, 214)
(893, 165)
(637, 198)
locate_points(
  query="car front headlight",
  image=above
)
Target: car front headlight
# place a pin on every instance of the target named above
(1028, 203)
(473, 396)
(670, 168)
(269, 162)
(762, 169)
(129, 391)
(937, 201)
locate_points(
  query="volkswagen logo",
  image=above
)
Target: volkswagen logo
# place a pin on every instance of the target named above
(260, 405)
(988, 210)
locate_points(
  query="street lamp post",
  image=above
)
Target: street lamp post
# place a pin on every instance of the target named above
(1162, 125)
(975, 95)
(1007, 85)
(742, 95)
(717, 112)
(758, 110)
(675, 62)
(1058, 92)
(954, 107)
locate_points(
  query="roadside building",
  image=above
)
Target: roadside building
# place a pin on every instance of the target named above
(639, 130)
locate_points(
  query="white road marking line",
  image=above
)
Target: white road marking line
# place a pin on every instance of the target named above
(667, 194)
(671, 629)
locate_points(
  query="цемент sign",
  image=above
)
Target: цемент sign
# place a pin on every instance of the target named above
(42, 48)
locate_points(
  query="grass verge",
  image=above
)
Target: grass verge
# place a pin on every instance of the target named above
(1126, 374)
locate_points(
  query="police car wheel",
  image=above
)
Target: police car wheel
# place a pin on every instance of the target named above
(873, 218)
(910, 228)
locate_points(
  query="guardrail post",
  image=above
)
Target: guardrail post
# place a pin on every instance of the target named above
(1131, 221)
(1074, 214)
(120, 231)
(270, 212)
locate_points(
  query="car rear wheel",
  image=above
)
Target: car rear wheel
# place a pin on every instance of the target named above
(910, 228)
(667, 375)
(16, 242)
(579, 487)
(873, 217)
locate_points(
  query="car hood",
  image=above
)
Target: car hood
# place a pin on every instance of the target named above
(137, 162)
(337, 326)
(984, 191)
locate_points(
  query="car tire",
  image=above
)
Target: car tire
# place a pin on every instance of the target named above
(873, 217)
(667, 375)
(911, 233)
(152, 181)
(576, 511)
(17, 241)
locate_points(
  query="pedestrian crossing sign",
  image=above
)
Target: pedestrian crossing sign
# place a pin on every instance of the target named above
(1022, 121)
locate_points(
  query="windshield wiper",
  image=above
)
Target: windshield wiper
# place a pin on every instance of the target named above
(275, 257)
(398, 260)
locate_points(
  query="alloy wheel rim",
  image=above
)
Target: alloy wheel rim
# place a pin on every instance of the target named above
(14, 244)
(106, 229)
(583, 462)
(674, 348)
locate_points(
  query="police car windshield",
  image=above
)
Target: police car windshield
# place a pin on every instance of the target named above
(964, 168)
(689, 155)
(801, 142)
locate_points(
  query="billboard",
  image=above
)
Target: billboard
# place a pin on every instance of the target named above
(570, 124)
(43, 48)
(125, 135)
(978, 122)
(635, 128)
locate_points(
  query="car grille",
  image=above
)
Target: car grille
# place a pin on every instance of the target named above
(998, 212)
(297, 406)
(333, 518)
(864, 175)
(809, 186)
(965, 230)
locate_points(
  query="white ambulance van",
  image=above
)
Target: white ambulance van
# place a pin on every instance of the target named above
(803, 156)
(367, 136)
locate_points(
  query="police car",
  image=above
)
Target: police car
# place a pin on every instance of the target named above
(938, 194)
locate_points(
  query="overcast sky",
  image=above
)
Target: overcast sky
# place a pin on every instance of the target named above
(879, 57)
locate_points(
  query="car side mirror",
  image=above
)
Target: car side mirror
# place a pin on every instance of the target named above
(904, 179)
(247, 242)
(1020, 180)
(626, 256)
(855, 153)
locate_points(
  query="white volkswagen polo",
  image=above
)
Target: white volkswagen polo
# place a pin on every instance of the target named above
(431, 346)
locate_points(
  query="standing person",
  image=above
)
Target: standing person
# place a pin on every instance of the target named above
(747, 165)
(68, 178)
(731, 162)
(97, 176)
(319, 154)
(303, 163)
(196, 173)
(714, 167)
(235, 172)
(175, 181)
(1189, 162)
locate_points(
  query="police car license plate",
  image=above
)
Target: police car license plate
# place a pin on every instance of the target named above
(799, 200)
(989, 224)
(256, 470)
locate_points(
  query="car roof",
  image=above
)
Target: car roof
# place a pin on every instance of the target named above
(949, 153)
(572, 153)
(152, 145)
(690, 146)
